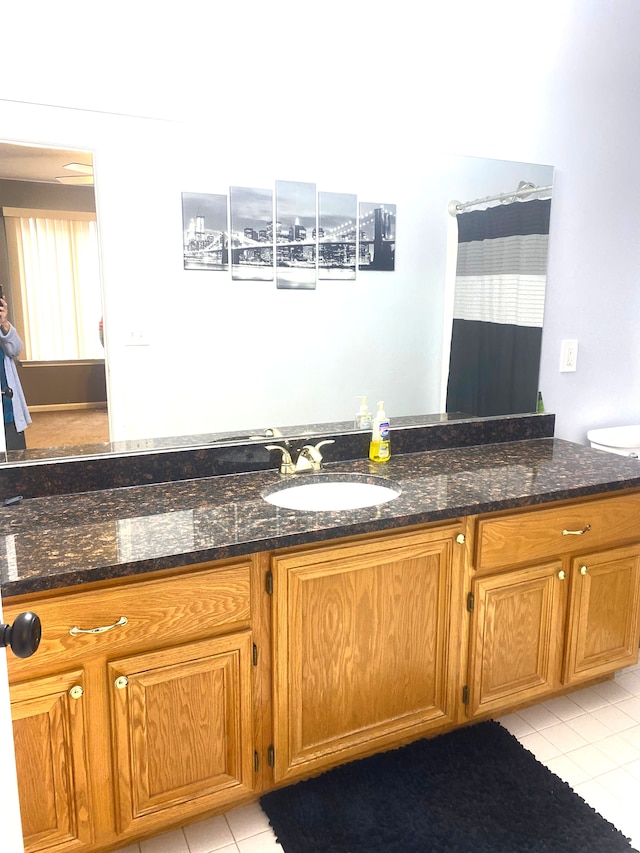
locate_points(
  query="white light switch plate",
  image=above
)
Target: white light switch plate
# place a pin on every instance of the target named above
(136, 339)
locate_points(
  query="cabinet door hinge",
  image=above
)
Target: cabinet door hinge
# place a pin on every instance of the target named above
(269, 583)
(465, 695)
(256, 761)
(470, 602)
(255, 655)
(271, 756)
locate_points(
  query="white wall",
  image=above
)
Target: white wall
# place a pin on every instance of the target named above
(302, 95)
(10, 826)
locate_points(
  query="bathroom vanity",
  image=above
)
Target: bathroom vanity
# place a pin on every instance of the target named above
(201, 645)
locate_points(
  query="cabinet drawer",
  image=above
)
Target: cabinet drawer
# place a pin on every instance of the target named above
(167, 610)
(539, 534)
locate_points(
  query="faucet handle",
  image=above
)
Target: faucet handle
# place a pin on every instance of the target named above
(313, 453)
(287, 466)
(326, 441)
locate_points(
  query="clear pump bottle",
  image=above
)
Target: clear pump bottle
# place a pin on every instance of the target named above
(362, 419)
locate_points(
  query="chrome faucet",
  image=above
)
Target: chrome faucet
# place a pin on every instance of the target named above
(309, 458)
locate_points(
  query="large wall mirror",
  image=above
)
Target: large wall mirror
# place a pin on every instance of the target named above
(233, 359)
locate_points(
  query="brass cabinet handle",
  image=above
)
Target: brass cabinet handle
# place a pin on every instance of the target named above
(461, 539)
(75, 630)
(76, 691)
(585, 529)
(121, 682)
(561, 574)
(583, 570)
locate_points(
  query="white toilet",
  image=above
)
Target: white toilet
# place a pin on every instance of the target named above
(623, 440)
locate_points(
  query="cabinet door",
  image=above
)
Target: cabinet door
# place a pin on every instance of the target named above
(182, 722)
(604, 613)
(361, 647)
(50, 745)
(517, 633)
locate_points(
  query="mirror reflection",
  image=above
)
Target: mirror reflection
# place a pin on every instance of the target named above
(387, 335)
(49, 268)
(499, 291)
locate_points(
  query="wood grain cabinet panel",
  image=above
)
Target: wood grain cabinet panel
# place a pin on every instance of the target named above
(605, 614)
(540, 534)
(182, 722)
(517, 637)
(362, 652)
(181, 608)
(540, 628)
(173, 741)
(51, 757)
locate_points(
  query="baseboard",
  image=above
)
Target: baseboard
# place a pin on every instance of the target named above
(67, 407)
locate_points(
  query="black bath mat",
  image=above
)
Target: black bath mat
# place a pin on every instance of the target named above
(474, 790)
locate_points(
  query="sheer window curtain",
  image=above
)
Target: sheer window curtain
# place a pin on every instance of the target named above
(55, 274)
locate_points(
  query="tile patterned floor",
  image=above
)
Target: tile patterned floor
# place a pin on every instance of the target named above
(590, 738)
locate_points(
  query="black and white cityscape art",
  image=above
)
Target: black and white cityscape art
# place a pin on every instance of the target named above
(337, 226)
(296, 235)
(205, 231)
(251, 212)
(377, 226)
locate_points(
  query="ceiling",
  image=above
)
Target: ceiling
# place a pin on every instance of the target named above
(31, 163)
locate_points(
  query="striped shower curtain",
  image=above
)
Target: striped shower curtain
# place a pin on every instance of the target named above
(498, 309)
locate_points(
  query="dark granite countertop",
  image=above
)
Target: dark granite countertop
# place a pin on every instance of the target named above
(57, 541)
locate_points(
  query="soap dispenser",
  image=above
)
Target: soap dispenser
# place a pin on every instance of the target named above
(363, 416)
(380, 445)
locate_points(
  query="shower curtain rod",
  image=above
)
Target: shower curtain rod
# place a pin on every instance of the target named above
(456, 207)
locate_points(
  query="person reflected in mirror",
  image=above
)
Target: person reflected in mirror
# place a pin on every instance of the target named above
(14, 405)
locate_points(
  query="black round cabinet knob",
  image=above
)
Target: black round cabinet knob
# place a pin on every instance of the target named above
(23, 636)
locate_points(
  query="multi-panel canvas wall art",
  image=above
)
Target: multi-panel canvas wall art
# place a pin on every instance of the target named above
(337, 223)
(377, 224)
(251, 213)
(296, 235)
(205, 231)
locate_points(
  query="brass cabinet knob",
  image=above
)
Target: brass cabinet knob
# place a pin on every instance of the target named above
(583, 570)
(561, 574)
(460, 539)
(121, 682)
(76, 691)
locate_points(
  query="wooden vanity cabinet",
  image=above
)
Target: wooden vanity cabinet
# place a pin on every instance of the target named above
(554, 603)
(366, 645)
(603, 618)
(182, 731)
(306, 658)
(517, 637)
(124, 732)
(50, 736)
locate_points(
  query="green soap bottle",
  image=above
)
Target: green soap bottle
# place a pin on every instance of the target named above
(540, 405)
(380, 444)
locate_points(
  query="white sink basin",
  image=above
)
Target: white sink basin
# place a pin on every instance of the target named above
(624, 440)
(323, 494)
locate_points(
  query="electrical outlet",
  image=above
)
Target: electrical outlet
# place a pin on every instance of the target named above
(568, 356)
